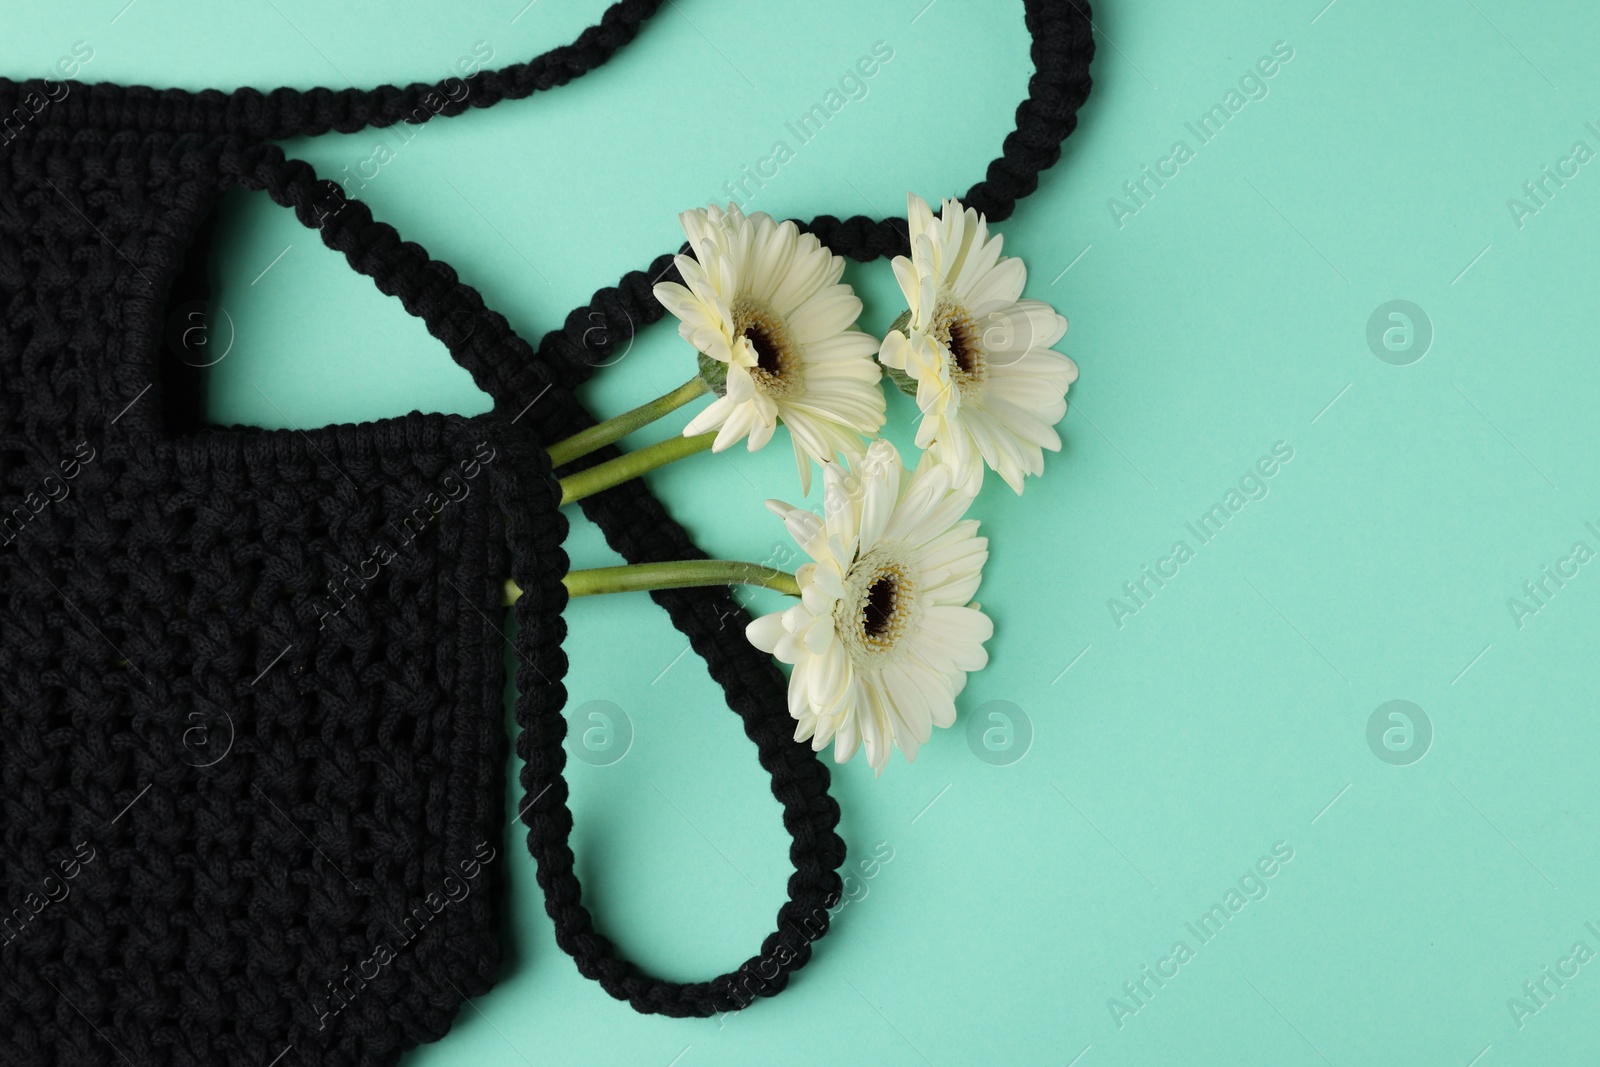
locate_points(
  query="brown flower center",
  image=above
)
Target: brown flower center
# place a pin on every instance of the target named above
(879, 610)
(778, 370)
(877, 616)
(954, 328)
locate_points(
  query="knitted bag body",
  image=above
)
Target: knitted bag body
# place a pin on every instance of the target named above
(251, 681)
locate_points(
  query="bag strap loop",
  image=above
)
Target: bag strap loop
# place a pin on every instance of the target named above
(482, 341)
(634, 522)
(283, 113)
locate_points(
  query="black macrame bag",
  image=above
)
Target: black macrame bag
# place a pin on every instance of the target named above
(232, 831)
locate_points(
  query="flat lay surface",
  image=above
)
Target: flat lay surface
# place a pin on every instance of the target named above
(1285, 750)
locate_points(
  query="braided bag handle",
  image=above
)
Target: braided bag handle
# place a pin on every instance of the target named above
(527, 491)
(283, 113)
(517, 376)
(637, 527)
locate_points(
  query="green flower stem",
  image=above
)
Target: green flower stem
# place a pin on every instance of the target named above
(615, 429)
(676, 575)
(626, 467)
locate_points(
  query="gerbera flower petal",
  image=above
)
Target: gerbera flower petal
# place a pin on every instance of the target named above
(766, 300)
(767, 631)
(960, 633)
(889, 630)
(709, 419)
(976, 355)
(1024, 326)
(828, 313)
(998, 289)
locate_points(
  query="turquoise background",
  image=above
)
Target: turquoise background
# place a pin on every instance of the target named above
(1227, 314)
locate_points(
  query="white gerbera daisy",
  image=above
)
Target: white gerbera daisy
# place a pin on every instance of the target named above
(765, 302)
(885, 631)
(977, 356)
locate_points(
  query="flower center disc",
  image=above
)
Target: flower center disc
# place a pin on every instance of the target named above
(880, 613)
(778, 369)
(954, 329)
